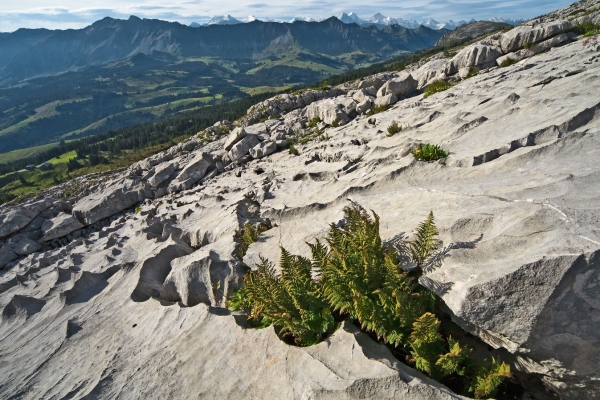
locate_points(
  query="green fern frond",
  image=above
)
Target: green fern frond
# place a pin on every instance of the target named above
(453, 360)
(425, 243)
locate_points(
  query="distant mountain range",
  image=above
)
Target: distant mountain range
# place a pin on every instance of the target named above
(36, 52)
(378, 20)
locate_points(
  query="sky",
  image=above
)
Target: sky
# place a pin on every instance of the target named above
(65, 14)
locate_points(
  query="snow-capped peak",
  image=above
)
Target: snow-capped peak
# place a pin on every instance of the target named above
(223, 20)
(250, 18)
(303, 19)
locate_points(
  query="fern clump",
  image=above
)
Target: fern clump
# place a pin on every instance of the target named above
(426, 343)
(246, 237)
(429, 152)
(292, 301)
(361, 277)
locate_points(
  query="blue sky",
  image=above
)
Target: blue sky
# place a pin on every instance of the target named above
(64, 14)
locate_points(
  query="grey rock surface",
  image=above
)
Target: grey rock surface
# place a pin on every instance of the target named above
(26, 246)
(6, 256)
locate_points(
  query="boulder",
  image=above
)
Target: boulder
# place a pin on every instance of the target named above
(242, 148)
(162, 172)
(363, 107)
(192, 173)
(255, 129)
(429, 72)
(110, 201)
(329, 111)
(235, 136)
(375, 81)
(263, 149)
(26, 246)
(60, 226)
(363, 94)
(401, 86)
(6, 256)
(16, 218)
(189, 280)
(386, 100)
(475, 56)
(520, 36)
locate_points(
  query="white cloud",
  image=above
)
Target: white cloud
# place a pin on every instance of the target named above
(70, 14)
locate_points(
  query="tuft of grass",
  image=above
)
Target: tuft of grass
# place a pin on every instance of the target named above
(508, 62)
(528, 45)
(435, 87)
(377, 110)
(335, 123)
(429, 152)
(138, 209)
(393, 129)
(293, 150)
(472, 72)
(587, 29)
(313, 122)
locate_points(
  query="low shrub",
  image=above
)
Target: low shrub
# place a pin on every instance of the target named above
(507, 62)
(435, 87)
(429, 152)
(394, 128)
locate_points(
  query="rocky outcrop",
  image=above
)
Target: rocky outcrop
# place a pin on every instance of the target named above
(530, 34)
(537, 48)
(192, 173)
(112, 200)
(16, 218)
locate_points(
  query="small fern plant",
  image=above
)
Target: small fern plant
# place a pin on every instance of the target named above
(246, 237)
(488, 378)
(292, 301)
(425, 243)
